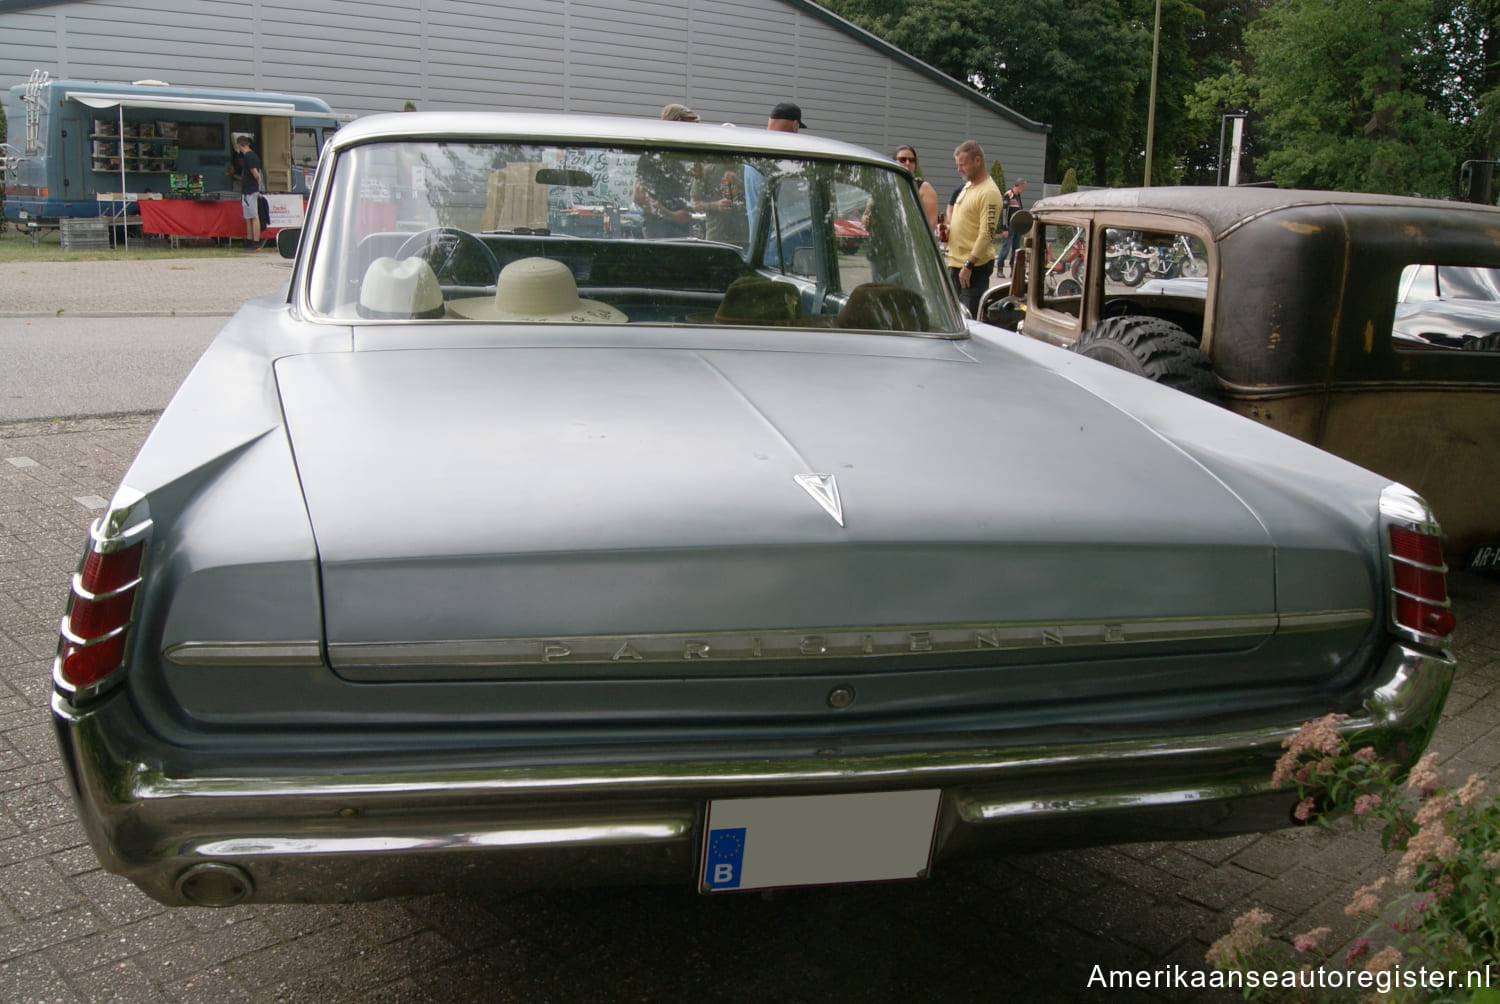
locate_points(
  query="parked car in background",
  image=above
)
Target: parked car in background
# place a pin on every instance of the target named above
(1451, 306)
(1363, 324)
(488, 552)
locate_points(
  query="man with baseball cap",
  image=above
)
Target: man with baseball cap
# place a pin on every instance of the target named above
(786, 117)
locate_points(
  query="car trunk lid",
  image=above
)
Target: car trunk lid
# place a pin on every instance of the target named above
(490, 511)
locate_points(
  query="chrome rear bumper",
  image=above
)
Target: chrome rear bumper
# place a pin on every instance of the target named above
(297, 837)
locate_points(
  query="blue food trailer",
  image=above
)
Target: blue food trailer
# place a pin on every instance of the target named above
(87, 148)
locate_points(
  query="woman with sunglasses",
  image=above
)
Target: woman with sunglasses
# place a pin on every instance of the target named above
(906, 156)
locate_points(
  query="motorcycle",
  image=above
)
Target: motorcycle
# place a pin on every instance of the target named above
(1065, 271)
(1132, 263)
(1125, 261)
(1188, 263)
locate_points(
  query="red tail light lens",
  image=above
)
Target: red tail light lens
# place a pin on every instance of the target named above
(85, 665)
(93, 632)
(1420, 583)
(105, 573)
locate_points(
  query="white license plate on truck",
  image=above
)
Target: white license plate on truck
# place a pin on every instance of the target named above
(765, 843)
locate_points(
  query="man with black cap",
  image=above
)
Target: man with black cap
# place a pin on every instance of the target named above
(786, 117)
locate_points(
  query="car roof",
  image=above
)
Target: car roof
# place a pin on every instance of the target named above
(1222, 207)
(614, 130)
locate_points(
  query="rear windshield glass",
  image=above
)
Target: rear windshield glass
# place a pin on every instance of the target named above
(520, 233)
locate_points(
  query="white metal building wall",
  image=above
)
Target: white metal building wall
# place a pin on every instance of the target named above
(731, 60)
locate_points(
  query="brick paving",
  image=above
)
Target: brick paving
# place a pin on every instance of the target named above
(1029, 926)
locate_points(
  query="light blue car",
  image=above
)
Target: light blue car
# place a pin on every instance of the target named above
(486, 549)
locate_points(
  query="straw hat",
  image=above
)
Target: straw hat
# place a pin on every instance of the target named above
(536, 289)
(400, 290)
(757, 302)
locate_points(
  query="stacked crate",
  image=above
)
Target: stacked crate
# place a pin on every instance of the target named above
(80, 233)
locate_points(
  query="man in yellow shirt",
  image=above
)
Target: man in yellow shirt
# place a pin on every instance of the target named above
(971, 227)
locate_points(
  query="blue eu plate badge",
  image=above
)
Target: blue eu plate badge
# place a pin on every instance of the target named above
(726, 858)
(778, 842)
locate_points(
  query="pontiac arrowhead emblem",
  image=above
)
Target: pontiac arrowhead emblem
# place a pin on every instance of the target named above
(825, 490)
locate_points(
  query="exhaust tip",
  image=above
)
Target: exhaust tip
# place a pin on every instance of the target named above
(213, 883)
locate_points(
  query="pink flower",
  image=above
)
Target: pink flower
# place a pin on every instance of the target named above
(1365, 754)
(1366, 804)
(1412, 917)
(1424, 775)
(1244, 937)
(1432, 842)
(1309, 941)
(1433, 810)
(1387, 958)
(1356, 950)
(1318, 736)
(1472, 789)
(1366, 900)
(1304, 809)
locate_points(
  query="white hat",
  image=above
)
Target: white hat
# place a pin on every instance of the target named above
(400, 289)
(536, 289)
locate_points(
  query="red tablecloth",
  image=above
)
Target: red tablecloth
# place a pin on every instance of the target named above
(190, 218)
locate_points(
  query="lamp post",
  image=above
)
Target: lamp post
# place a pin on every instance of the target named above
(1151, 106)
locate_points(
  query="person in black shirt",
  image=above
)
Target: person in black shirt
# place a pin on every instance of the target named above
(252, 181)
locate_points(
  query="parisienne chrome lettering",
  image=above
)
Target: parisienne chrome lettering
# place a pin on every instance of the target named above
(804, 645)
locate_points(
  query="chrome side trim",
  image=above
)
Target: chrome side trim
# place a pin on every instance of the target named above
(839, 643)
(976, 809)
(1325, 620)
(234, 653)
(570, 833)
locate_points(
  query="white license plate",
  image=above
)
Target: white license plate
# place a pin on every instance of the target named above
(764, 843)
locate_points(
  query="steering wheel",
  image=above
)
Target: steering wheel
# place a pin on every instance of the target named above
(457, 256)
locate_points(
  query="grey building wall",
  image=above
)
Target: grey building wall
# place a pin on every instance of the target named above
(731, 60)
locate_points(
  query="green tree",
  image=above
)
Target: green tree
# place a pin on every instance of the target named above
(1466, 67)
(1074, 64)
(1216, 48)
(997, 174)
(1343, 91)
(1069, 182)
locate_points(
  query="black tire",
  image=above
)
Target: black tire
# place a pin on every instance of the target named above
(1069, 287)
(1153, 348)
(1132, 272)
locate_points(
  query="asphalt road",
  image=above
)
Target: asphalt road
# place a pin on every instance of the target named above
(58, 367)
(1029, 927)
(105, 338)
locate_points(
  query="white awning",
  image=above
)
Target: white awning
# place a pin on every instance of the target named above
(169, 102)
